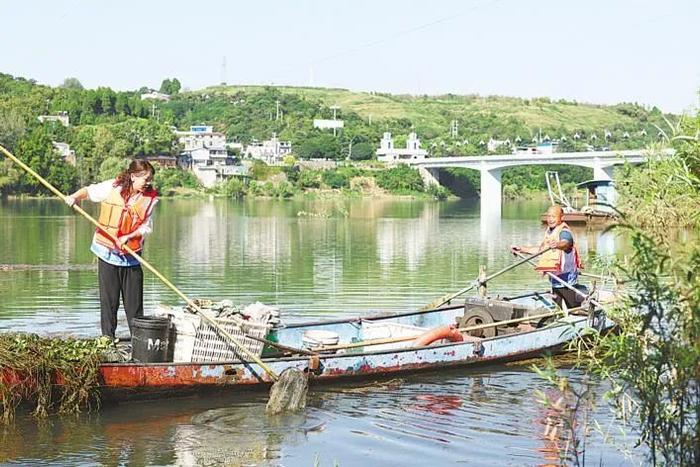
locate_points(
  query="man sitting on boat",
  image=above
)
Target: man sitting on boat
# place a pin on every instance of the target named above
(562, 260)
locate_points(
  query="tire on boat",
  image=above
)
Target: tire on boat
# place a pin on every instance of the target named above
(474, 317)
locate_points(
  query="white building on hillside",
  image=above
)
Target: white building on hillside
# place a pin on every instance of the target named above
(494, 144)
(205, 152)
(65, 151)
(62, 118)
(199, 136)
(388, 153)
(271, 151)
(328, 124)
(155, 95)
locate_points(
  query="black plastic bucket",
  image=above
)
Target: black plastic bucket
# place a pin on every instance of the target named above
(150, 342)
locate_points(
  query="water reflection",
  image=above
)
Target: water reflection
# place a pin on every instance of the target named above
(311, 258)
(407, 240)
(486, 416)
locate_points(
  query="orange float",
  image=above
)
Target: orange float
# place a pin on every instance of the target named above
(442, 332)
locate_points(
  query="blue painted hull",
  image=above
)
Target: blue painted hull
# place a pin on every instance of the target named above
(127, 381)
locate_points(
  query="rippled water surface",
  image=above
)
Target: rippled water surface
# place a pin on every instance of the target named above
(313, 259)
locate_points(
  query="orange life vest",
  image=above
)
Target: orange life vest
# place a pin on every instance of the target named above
(554, 260)
(119, 217)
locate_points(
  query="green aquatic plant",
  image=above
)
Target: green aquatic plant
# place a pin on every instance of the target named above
(653, 361)
(50, 375)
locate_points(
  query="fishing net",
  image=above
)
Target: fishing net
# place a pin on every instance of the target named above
(288, 394)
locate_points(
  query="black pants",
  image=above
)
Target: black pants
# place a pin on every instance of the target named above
(126, 281)
(568, 296)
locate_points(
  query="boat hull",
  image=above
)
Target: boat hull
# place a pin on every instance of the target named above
(156, 380)
(584, 218)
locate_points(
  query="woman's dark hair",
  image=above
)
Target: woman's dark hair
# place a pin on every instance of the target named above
(124, 178)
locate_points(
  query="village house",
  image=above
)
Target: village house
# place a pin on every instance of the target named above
(155, 95)
(205, 153)
(271, 151)
(62, 118)
(162, 160)
(64, 150)
(387, 152)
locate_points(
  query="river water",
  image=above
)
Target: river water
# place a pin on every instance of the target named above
(312, 258)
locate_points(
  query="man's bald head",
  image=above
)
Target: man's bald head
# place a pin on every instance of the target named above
(554, 215)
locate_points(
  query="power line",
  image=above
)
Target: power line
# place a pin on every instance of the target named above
(392, 36)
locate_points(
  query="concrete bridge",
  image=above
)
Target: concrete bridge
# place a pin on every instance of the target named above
(491, 167)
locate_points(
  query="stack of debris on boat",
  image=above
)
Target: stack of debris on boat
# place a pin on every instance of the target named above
(182, 335)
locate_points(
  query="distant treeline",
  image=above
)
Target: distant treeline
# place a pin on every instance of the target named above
(107, 126)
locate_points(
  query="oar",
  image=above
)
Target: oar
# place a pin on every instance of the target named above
(478, 282)
(237, 344)
(477, 327)
(563, 282)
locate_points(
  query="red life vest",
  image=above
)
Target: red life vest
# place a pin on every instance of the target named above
(119, 217)
(553, 260)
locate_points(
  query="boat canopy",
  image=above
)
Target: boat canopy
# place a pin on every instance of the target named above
(595, 183)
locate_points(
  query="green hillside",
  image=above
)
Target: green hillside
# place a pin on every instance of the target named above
(107, 126)
(437, 111)
(477, 116)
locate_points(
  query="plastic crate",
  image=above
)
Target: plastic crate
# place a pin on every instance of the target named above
(186, 325)
(195, 340)
(212, 346)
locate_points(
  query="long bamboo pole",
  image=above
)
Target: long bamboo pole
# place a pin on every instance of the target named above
(478, 282)
(238, 345)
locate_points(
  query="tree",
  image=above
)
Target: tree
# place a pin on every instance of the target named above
(72, 83)
(335, 179)
(107, 98)
(362, 152)
(165, 86)
(175, 86)
(37, 152)
(169, 86)
(12, 128)
(121, 104)
(400, 179)
(10, 176)
(111, 167)
(319, 147)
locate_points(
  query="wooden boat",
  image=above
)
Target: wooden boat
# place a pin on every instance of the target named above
(520, 337)
(600, 199)
(585, 217)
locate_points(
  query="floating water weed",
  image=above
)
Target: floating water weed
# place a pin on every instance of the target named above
(50, 375)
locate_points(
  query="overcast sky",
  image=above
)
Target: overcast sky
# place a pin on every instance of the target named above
(600, 51)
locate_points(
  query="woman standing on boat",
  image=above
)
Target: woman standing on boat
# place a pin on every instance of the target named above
(126, 208)
(562, 260)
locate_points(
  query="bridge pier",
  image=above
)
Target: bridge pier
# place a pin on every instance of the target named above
(601, 172)
(430, 176)
(490, 194)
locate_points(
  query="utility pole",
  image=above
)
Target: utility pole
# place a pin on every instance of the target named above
(223, 71)
(277, 116)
